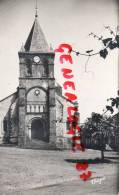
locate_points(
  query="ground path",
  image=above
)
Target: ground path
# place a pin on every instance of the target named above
(39, 172)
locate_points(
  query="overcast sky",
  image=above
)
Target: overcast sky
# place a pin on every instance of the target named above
(68, 21)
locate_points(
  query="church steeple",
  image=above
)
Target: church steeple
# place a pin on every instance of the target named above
(37, 91)
(36, 41)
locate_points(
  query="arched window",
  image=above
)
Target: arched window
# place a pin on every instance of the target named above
(29, 67)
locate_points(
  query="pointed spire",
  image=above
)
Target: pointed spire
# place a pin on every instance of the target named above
(36, 41)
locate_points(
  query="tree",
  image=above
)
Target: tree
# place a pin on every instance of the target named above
(109, 43)
(93, 130)
(98, 129)
(114, 104)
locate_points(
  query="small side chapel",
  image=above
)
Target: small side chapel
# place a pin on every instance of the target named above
(35, 116)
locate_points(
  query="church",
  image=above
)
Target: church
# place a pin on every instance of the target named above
(35, 116)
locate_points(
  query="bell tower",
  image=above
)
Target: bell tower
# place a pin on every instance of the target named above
(37, 102)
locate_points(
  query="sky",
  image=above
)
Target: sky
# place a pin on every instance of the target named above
(64, 21)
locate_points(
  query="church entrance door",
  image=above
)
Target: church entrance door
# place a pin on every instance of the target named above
(38, 129)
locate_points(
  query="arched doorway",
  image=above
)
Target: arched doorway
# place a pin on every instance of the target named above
(38, 129)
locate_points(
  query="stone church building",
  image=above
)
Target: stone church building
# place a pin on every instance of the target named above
(35, 116)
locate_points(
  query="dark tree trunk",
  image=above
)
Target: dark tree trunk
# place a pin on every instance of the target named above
(102, 146)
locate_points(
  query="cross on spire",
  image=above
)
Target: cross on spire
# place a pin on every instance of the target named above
(36, 15)
(36, 41)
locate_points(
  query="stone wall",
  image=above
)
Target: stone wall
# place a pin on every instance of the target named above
(4, 107)
(62, 138)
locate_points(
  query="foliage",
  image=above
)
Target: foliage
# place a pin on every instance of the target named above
(109, 43)
(114, 104)
(97, 131)
(98, 128)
